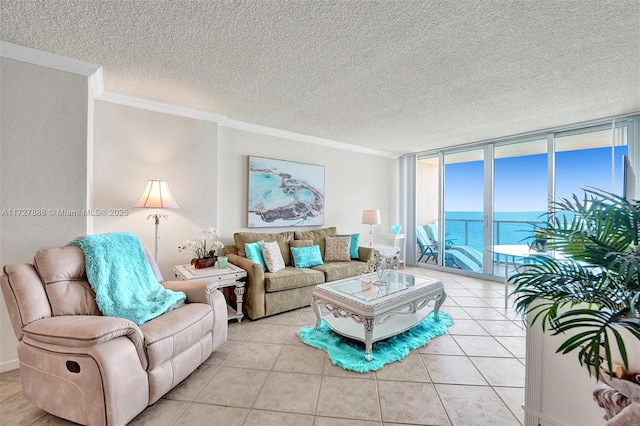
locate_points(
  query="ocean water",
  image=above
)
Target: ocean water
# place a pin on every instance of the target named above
(266, 192)
(466, 228)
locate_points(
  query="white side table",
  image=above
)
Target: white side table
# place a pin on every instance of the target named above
(218, 278)
(388, 251)
(396, 240)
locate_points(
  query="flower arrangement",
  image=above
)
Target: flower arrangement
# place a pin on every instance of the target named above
(379, 265)
(206, 247)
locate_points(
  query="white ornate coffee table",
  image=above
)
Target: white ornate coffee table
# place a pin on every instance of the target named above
(361, 309)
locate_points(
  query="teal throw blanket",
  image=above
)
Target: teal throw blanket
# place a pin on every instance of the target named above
(122, 279)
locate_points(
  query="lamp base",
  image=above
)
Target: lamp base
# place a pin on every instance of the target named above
(156, 216)
(370, 235)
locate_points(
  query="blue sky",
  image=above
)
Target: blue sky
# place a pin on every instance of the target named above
(521, 182)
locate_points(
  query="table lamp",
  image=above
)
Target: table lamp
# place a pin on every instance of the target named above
(371, 217)
(157, 195)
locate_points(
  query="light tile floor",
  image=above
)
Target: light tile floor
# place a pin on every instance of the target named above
(264, 375)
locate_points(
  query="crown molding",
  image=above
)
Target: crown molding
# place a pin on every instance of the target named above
(270, 131)
(161, 107)
(96, 81)
(45, 59)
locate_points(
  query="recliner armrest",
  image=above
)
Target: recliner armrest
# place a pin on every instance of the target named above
(196, 291)
(85, 331)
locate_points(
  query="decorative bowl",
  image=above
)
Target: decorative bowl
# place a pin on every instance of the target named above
(396, 229)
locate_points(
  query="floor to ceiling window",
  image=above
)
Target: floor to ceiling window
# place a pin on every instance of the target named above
(513, 181)
(590, 157)
(464, 210)
(520, 193)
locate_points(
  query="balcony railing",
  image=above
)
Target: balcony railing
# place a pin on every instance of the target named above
(469, 232)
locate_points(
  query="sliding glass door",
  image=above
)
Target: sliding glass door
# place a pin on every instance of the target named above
(520, 193)
(463, 233)
(495, 194)
(590, 157)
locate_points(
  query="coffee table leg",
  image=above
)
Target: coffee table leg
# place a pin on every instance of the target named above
(316, 308)
(368, 337)
(436, 309)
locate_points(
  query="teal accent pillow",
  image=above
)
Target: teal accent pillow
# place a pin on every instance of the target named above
(304, 257)
(353, 246)
(254, 252)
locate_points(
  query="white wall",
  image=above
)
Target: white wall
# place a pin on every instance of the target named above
(56, 156)
(43, 165)
(206, 167)
(428, 188)
(131, 146)
(353, 182)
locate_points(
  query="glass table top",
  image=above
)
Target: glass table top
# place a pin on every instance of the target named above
(368, 288)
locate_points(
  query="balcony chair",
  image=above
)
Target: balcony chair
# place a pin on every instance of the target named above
(461, 257)
(427, 248)
(92, 369)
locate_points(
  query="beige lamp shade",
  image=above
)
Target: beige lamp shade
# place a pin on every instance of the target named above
(157, 196)
(371, 217)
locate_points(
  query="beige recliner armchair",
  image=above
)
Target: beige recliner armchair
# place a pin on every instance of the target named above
(98, 370)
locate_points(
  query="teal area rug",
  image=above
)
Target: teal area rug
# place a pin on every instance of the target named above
(349, 354)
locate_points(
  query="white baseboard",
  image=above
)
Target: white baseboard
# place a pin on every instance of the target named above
(5, 366)
(536, 418)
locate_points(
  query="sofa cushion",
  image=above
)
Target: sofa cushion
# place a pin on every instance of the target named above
(304, 257)
(254, 252)
(353, 246)
(337, 249)
(291, 277)
(300, 243)
(272, 256)
(316, 236)
(340, 270)
(282, 238)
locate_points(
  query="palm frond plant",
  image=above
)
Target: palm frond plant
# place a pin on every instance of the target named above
(592, 291)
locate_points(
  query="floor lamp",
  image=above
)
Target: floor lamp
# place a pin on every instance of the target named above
(371, 217)
(157, 195)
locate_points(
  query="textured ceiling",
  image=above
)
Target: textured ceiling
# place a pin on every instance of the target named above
(397, 76)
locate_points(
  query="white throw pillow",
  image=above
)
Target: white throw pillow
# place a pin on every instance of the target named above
(272, 256)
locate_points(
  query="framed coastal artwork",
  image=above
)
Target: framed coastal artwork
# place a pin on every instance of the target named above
(284, 193)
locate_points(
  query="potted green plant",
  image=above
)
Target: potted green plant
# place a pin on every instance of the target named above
(539, 240)
(590, 293)
(595, 285)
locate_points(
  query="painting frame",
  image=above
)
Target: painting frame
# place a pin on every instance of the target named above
(283, 193)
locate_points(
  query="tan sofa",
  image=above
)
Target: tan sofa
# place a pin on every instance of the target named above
(98, 370)
(268, 293)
